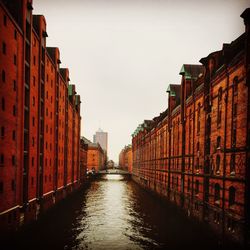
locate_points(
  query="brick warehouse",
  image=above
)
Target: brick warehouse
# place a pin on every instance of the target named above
(196, 153)
(39, 119)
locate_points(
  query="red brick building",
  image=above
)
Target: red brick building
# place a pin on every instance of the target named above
(39, 119)
(83, 159)
(125, 158)
(196, 153)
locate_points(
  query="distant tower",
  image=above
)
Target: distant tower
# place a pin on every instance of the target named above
(101, 138)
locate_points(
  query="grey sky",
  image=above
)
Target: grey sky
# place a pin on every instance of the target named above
(122, 54)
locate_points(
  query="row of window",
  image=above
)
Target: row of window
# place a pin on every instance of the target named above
(13, 186)
(2, 160)
(3, 133)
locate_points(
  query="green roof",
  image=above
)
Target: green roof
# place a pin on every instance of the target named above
(70, 90)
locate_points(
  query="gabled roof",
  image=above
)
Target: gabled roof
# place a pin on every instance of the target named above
(191, 71)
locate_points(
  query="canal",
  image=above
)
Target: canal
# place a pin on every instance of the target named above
(114, 213)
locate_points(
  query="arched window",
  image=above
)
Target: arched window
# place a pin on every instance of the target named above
(217, 193)
(231, 200)
(217, 163)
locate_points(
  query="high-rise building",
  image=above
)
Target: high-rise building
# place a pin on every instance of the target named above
(101, 138)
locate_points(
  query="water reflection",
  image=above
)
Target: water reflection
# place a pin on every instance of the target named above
(115, 213)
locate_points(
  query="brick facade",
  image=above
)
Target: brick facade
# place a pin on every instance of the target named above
(196, 152)
(39, 119)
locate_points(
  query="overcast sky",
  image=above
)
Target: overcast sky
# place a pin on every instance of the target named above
(122, 54)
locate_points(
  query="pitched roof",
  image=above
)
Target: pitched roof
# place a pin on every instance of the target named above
(191, 71)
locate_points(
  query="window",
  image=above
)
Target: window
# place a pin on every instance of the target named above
(15, 34)
(217, 193)
(4, 48)
(34, 81)
(14, 85)
(232, 164)
(33, 101)
(15, 60)
(34, 60)
(188, 187)
(3, 104)
(32, 161)
(197, 183)
(32, 181)
(217, 164)
(13, 185)
(218, 142)
(235, 110)
(2, 132)
(33, 141)
(33, 121)
(219, 94)
(13, 160)
(5, 20)
(13, 135)
(235, 85)
(232, 192)
(198, 117)
(14, 110)
(1, 187)
(2, 159)
(219, 111)
(198, 146)
(3, 76)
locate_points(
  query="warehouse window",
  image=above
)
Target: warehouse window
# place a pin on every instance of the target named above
(14, 110)
(32, 181)
(2, 132)
(33, 101)
(217, 193)
(218, 142)
(3, 76)
(32, 161)
(197, 184)
(232, 192)
(13, 160)
(14, 85)
(232, 164)
(3, 104)
(13, 135)
(198, 117)
(15, 34)
(5, 20)
(4, 48)
(15, 60)
(235, 85)
(217, 164)
(219, 111)
(13, 185)
(2, 159)
(1, 187)
(188, 187)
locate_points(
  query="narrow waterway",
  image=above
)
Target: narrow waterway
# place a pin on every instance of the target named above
(114, 213)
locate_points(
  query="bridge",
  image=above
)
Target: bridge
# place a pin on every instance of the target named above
(114, 171)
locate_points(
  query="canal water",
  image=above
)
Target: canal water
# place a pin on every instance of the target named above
(114, 213)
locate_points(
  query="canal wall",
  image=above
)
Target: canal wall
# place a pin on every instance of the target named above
(194, 211)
